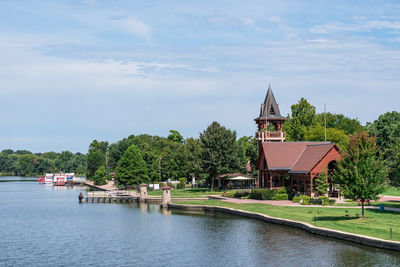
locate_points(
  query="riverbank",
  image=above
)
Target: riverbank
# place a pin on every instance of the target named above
(374, 230)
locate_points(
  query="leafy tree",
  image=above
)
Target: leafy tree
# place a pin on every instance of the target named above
(317, 133)
(321, 184)
(303, 116)
(26, 163)
(193, 148)
(96, 157)
(387, 130)
(175, 136)
(340, 122)
(131, 168)
(101, 176)
(219, 151)
(361, 173)
(22, 152)
(7, 151)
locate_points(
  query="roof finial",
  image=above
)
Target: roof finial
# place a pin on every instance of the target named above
(269, 86)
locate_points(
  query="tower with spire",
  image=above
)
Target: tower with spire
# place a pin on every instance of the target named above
(270, 122)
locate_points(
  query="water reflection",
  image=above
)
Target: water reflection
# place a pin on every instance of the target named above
(42, 225)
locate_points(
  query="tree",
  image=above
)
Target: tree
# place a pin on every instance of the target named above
(387, 130)
(131, 168)
(321, 184)
(175, 136)
(101, 176)
(361, 173)
(219, 151)
(193, 148)
(317, 133)
(96, 157)
(303, 116)
(339, 122)
(26, 163)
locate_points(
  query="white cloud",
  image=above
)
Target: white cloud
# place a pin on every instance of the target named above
(135, 26)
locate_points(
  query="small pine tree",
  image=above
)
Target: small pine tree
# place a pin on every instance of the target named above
(131, 168)
(321, 184)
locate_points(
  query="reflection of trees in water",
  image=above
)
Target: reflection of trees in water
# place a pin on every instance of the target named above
(233, 240)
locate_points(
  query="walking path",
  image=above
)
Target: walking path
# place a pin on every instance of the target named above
(107, 187)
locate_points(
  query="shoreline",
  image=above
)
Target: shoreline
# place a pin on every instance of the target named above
(356, 238)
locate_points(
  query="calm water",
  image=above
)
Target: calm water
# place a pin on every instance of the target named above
(46, 226)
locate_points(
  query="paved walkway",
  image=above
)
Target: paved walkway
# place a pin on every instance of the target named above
(107, 187)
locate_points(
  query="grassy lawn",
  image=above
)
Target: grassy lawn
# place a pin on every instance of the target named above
(393, 204)
(376, 223)
(392, 191)
(186, 193)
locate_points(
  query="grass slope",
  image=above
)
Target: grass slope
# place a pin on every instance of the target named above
(376, 223)
(392, 191)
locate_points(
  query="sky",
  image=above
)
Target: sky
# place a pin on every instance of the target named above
(75, 71)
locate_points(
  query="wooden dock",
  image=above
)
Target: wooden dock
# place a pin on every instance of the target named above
(111, 196)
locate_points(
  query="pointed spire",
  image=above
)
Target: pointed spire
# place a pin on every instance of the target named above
(270, 107)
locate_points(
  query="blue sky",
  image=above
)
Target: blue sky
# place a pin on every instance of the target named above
(74, 71)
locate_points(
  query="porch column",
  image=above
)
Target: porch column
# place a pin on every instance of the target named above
(270, 180)
(312, 185)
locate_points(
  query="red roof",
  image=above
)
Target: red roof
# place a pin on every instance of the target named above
(310, 157)
(294, 156)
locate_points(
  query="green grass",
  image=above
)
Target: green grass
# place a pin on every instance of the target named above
(376, 223)
(392, 191)
(186, 193)
(393, 204)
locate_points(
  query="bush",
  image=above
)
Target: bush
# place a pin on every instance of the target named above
(324, 201)
(306, 200)
(182, 183)
(296, 199)
(314, 201)
(282, 196)
(267, 194)
(236, 194)
(302, 199)
(229, 194)
(241, 194)
(262, 194)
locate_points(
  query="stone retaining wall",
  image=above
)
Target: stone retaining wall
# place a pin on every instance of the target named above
(361, 239)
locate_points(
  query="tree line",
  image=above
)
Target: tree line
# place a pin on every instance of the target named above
(147, 158)
(304, 124)
(217, 150)
(26, 163)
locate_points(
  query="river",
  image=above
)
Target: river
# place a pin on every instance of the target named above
(46, 226)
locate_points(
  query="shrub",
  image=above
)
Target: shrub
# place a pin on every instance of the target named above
(296, 199)
(229, 194)
(314, 201)
(324, 201)
(262, 194)
(304, 200)
(182, 183)
(332, 201)
(281, 196)
(241, 194)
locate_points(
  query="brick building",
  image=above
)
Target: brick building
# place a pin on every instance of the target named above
(289, 164)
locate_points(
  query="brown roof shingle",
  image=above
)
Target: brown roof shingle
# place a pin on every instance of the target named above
(294, 156)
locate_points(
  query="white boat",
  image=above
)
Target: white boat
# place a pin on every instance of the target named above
(48, 179)
(60, 179)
